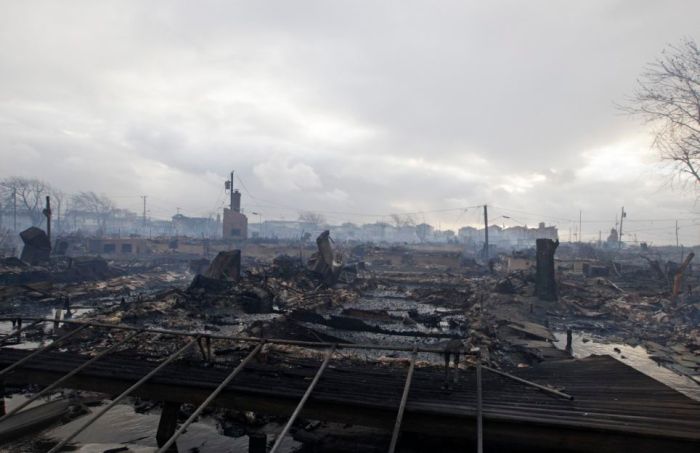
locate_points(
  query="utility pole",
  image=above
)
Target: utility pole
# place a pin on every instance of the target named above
(580, 234)
(676, 233)
(58, 217)
(259, 222)
(623, 214)
(486, 232)
(47, 213)
(231, 190)
(14, 208)
(144, 209)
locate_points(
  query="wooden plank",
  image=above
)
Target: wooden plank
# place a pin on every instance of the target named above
(611, 398)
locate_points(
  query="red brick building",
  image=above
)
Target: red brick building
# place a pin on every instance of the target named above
(235, 222)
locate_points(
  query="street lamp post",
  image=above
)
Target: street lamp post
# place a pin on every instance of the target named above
(260, 232)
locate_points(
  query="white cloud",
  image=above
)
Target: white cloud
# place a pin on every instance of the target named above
(280, 175)
(329, 106)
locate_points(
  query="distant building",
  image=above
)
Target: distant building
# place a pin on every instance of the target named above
(516, 237)
(119, 247)
(195, 226)
(235, 224)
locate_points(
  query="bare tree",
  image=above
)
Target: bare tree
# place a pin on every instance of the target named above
(423, 231)
(30, 196)
(313, 218)
(668, 97)
(58, 198)
(402, 221)
(98, 205)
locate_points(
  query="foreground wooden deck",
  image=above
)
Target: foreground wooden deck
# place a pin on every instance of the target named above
(615, 408)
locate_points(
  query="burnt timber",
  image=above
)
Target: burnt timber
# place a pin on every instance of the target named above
(615, 408)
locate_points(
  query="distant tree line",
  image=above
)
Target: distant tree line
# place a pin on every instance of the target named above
(28, 196)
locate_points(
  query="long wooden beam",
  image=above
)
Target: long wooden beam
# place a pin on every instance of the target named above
(51, 345)
(210, 398)
(402, 405)
(522, 431)
(123, 395)
(6, 337)
(529, 383)
(300, 406)
(69, 375)
(313, 344)
(479, 409)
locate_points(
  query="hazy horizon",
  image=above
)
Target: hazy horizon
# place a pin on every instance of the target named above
(355, 110)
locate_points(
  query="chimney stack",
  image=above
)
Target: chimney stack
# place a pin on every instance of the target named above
(236, 201)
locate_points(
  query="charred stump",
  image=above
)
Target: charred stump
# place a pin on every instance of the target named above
(167, 424)
(545, 284)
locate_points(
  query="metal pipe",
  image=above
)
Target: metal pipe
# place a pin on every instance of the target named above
(402, 406)
(530, 383)
(20, 330)
(69, 375)
(300, 406)
(479, 408)
(51, 345)
(317, 344)
(124, 394)
(210, 398)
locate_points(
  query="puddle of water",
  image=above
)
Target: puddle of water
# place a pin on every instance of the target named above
(47, 327)
(635, 356)
(122, 426)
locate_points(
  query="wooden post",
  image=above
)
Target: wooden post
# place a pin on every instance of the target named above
(479, 407)
(257, 443)
(167, 423)
(678, 278)
(2, 398)
(47, 213)
(569, 341)
(56, 319)
(545, 284)
(486, 233)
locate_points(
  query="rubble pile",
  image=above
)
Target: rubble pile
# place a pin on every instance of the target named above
(363, 298)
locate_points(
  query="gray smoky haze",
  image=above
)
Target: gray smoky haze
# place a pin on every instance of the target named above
(353, 109)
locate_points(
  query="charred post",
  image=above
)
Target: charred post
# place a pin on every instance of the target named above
(545, 284)
(167, 423)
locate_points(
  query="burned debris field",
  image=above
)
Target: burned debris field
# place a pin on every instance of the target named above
(349, 226)
(323, 346)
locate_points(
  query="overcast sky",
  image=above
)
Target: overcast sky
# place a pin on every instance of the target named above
(353, 109)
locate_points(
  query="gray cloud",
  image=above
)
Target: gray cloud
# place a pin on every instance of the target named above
(357, 109)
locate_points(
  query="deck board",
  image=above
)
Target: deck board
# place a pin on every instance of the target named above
(610, 397)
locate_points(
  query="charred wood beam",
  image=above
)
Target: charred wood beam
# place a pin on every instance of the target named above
(210, 398)
(314, 344)
(402, 406)
(123, 395)
(168, 422)
(20, 329)
(545, 283)
(525, 432)
(44, 349)
(479, 408)
(300, 406)
(530, 383)
(69, 375)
